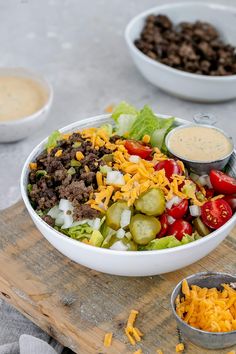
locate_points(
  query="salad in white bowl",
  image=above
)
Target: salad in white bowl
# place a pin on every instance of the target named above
(114, 188)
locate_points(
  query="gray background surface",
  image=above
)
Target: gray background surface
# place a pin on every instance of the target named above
(79, 46)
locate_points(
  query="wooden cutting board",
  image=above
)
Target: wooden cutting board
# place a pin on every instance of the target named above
(77, 306)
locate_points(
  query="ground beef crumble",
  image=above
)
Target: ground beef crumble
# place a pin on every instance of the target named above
(57, 183)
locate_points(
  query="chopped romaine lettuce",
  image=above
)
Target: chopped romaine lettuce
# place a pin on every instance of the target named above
(124, 124)
(96, 239)
(169, 242)
(108, 128)
(123, 108)
(147, 123)
(53, 139)
(78, 232)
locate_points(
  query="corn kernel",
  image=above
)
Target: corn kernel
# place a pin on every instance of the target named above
(146, 139)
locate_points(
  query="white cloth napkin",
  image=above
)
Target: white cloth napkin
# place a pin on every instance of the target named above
(20, 336)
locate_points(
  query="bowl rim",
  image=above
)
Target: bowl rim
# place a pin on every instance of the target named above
(162, 66)
(172, 303)
(35, 76)
(33, 214)
(169, 135)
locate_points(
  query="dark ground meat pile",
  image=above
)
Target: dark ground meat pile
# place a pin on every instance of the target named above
(47, 188)
(192, 47)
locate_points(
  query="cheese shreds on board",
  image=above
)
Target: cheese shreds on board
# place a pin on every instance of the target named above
(108, 339)
(133, 333)
(159, 351)
(210, 310)
(232, 352)
(179, 347)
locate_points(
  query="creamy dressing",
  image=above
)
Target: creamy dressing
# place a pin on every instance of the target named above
(200, 144)
(20, 97)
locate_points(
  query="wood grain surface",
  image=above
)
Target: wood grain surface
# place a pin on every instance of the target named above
(77, 306)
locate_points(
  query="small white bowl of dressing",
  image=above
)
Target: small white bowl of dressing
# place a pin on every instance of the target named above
(201, 147)
(25, 100)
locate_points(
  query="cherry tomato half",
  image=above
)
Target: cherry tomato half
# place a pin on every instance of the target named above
(222, 183)
(179, 228)
(170, 166)
(138, 148)
(215, 213)
(179, 210)
(164, 225)
(231, 200)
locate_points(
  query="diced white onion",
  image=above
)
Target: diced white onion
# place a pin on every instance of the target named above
(170, 220)
(96, 224)
(68, 221)
(54, 212)
(134, 158)
(194, 176)
(115, 177)
(59, 219)
(173, 201)
(65, 205)
(119, 246)
(120, 233)
(208, 182)
(125, 218)
(195, 210)
(202, 180)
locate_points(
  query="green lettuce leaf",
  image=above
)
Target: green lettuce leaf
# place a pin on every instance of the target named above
(78, 232)
(53, 139)
(123, 108)
(170, 242)
(108, 128)
(148, 123)
(124, 124)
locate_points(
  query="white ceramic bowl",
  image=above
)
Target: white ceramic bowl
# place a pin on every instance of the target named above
(18, 129)
(139, 263)
(179, 83)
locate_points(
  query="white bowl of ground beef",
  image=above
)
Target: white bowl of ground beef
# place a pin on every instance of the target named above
(126, 263)
(180, 83)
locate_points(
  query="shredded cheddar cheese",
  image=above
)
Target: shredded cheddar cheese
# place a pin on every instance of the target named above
(58, 153)
(139, 176)
(133, 333)
(179, 347)
(146, 139)
(159, 351)
(208, 309)
(33, 165)
(109, 109)
(79, 155)
(108, 339)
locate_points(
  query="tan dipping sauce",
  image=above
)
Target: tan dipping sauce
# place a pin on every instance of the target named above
(20, 97)
(200, 144)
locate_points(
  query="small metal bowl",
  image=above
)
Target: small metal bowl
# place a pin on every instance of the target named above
(209, 340)
(200, 167)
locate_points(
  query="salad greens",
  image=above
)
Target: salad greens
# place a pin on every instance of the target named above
(170, 242)
(134, 124)
(123, 108)
(78, 232)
